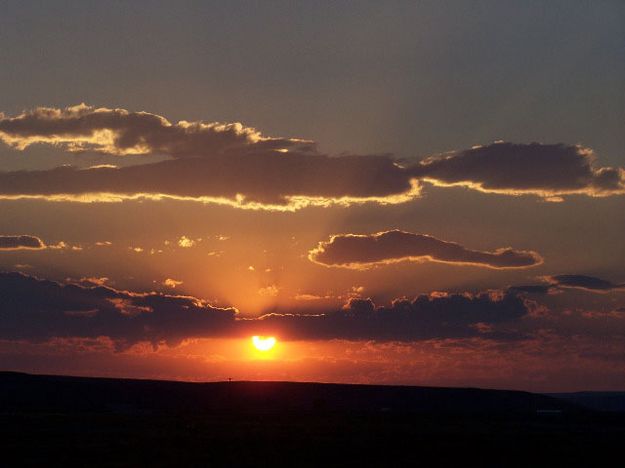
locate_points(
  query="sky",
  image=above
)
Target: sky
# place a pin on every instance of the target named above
(424, 193)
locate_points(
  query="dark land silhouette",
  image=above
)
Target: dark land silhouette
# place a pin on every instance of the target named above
(78, 421)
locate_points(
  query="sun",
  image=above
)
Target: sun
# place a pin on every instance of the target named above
(263, 343)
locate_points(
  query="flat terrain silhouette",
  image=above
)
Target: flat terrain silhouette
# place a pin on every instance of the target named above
(123, 422)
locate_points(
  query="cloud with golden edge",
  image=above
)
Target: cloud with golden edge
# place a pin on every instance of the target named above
(121, 132)
(550, 171)
(358, 251)
(262, 181)
(555, 283)
(234, 165)
(21, 242)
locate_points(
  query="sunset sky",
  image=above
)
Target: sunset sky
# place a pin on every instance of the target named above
(426, 193)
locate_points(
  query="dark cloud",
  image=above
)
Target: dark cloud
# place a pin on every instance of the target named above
(32, 309)
(38, 310)
(21, 242)
(531, 288)
(35, 310)
(558, 282)
(544, 170)
(120, 132)
(426, 317)
(264, 179)
(236, 165)
(589, 283)
(362, 251)
(211, 162)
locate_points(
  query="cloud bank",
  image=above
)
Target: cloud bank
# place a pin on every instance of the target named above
(37, 310)
(366, 251)
(34, 310)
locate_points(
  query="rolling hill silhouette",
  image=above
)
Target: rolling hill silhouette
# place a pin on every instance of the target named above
(122, 422)
(59, 393)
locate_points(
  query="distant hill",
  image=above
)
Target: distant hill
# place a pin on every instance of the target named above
(59, 393)
(599, 401)
(76, 421)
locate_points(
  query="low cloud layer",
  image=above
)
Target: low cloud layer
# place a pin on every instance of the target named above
(23, 242)
(365, 251)
(236, 165)
(548, 171)
(37, 310)
(484, 315)
(33, 310)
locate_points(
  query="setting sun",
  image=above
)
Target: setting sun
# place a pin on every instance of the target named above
(309, 233)
(263, 343)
